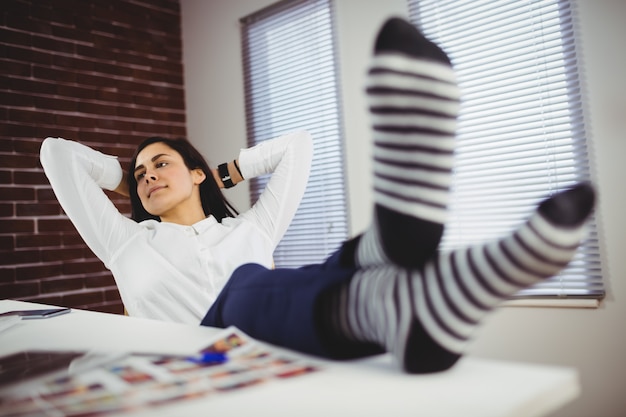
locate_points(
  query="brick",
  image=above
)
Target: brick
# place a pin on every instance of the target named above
(30, 116)
(61, 285)
(7, 209)
(77, 121)
(15, 37)
(6, 145)
(19, 290)
(16, 226)
(135, 112)
(15, 69)
(67, 132)
(97, 108)
(74, 63)
(24, 22)
(52, 14)
(16, 9)
(137, 87)
(8, 274)
(20, 130)
(58, 75)
(16, 194)
(178, 131)
(65, 254)
(27, 146)
(55, 225)
(19, 257)
(31, 178)
(83, 267)
(19, 161)
(26, 54)
(33, 87)
(80, 299)
(46, 194)
(25, 273)
(112, 295)
(74, 238)
(96, 80)
(39, 240)
(115, 124)
(40, 209)
(54, 45)
(115, 96)
(99, 281)
(13, 99)
(7, 242)
(85, 92)
(56, 104)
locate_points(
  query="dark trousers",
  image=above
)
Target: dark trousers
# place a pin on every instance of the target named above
(282, 307)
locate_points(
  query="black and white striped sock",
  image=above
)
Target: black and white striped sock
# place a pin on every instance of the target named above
(413, 101)
(425, 316)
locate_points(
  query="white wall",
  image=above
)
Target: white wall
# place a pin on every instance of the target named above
(216, 124)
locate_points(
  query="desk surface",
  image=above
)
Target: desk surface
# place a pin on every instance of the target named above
(374, 386)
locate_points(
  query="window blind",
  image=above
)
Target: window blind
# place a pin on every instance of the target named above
(521, 133)
(291, 84)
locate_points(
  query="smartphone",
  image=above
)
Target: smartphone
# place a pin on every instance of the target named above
(37, 314)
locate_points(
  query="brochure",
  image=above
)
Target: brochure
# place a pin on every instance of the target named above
(90, 385)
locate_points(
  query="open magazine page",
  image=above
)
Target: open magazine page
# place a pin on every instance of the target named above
(231, 361)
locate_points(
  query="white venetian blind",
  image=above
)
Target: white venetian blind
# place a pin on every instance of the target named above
(291, 84)
(521, 130)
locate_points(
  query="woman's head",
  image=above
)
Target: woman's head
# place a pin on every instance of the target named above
(166, 174)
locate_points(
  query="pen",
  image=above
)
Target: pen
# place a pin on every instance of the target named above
(208, 357)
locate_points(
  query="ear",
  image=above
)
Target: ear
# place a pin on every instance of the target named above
(198, 176)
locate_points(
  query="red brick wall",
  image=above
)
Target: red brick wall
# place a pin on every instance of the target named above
(107, 73)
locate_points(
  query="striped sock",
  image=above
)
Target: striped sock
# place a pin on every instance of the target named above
(414, 101)
(425, 316)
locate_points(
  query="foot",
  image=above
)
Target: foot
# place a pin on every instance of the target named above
(413, 102)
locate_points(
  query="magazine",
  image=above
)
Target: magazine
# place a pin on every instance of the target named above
(91, 384)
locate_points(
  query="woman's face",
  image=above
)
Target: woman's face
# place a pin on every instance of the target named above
(166, 187)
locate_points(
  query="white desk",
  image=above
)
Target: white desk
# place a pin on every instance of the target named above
(371, 387)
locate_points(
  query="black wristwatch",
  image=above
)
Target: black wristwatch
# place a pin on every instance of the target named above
(222, 170)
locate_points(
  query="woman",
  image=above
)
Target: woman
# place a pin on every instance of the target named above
(387, 290)
(171, 261)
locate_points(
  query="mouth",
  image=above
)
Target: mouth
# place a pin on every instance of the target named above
(155, 189)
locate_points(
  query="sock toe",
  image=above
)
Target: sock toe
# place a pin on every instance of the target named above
(423, 355)
(571, 207)
(398, 35)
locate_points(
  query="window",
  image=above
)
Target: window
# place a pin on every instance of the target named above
(521, 130)
(291, 84)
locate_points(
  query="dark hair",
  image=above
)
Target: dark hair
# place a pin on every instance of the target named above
(213, 201)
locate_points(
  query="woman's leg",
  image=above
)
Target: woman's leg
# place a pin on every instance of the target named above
(425, 316)
(413, 103)
(411, 301)
(281, 306)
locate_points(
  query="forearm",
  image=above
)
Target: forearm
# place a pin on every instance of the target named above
(288, 158)
(77, 175)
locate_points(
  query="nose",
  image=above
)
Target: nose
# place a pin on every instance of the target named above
(150, 177)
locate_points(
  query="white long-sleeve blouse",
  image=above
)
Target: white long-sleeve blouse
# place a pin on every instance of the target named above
(167, 271)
